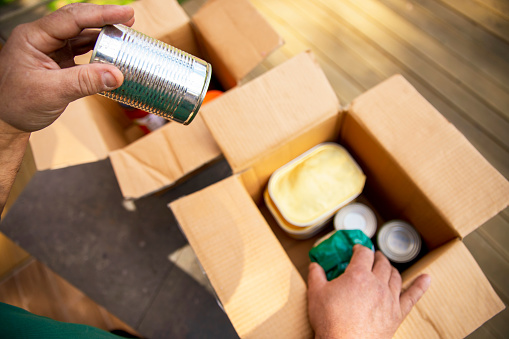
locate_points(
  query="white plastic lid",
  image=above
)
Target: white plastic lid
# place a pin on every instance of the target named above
(356, 216)
(399, 241)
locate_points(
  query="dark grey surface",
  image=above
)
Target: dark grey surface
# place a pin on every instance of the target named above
(73, 220)
(189, 308)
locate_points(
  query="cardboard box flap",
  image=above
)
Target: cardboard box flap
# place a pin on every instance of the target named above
(242, 258)
(85, 132)
(250, 121)
(162, 157)
(167, 21)
(462, 186)
(458, 291)
(236, 38)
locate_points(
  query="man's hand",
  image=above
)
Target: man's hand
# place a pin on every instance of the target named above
(365, 301)
(38, 77)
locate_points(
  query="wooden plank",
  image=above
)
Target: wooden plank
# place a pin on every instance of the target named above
(481, 333)
(491, 102)
(443, 87)
(346, 89)
(11, 255)
(494, 266)
(476, 33)
(478, 55)
(498, 326)
(488, 19)
(499, 6)
(337, 52)
(496, 233)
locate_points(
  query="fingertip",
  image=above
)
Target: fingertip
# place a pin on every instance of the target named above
(414, 293)
(129, 23)
(425, 281)
(112, 78)
(313, 264)
(316, 275)
(129, 15)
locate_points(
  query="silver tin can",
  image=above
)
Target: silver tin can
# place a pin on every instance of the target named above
(399, 241)
(158, 78)
(356, 216)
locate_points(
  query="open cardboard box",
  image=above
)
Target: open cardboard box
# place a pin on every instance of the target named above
(230, 34)
(419, 168)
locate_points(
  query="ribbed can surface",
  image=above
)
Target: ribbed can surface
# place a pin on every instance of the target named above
(158, 78)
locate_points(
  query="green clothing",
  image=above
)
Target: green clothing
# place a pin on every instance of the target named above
(334, 253)
(15, 322)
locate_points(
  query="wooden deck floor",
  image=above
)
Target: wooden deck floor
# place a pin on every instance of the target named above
(455, 52)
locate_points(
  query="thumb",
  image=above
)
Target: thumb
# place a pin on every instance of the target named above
(83, 80)
(412, 295)
(316, 277)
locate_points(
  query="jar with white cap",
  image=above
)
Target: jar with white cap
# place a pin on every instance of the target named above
(356, 216)
(399, 242)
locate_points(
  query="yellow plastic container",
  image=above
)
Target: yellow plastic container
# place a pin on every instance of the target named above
(313, 186)
(296, 232)
(304, 194)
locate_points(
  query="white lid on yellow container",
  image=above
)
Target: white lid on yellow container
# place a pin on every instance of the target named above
(356, 216)
(312, 187)
(296, 232)
(399, 241)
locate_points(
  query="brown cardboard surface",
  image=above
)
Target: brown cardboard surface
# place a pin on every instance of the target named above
(250, 121)
(162, 157)
(463, 187)
(165, 20)
(235, 38)
(256, 177)
(459, 300)
(85, 132)
(388, 184)
(413, 158)
(260, 289)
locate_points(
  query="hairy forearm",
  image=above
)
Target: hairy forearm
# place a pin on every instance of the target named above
(13, 144)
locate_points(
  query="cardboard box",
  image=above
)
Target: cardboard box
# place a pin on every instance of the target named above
(230, 34)
(419, 168)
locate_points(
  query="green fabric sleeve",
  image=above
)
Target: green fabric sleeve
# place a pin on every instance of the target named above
(334, 253)
(15, 322)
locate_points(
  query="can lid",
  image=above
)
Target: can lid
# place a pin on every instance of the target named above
(399, 241)
(356, 216)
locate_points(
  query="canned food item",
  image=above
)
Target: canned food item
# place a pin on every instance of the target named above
(311, 188)
(158, 78)
(356, 216)
(399, 241)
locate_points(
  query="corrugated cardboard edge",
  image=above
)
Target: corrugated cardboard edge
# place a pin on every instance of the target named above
(251, 121)
(235, 38)
(167, 21)
(242, 258)
(84, 133)
(433, 153)
(459, 291)
(162, 157)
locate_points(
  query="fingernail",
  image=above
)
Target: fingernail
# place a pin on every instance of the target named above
(427, 279)
(109, 80)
